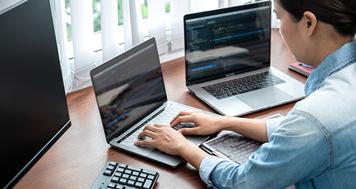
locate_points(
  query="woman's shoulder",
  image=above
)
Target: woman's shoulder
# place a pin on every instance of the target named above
(334, 102)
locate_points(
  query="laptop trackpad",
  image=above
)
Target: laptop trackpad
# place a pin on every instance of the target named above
(264, 97)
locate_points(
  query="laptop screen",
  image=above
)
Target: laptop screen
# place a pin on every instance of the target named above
(227, 41)
(128, 88)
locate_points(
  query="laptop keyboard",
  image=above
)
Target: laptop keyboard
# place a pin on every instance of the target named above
(242, 85)
(120, 176)
(235, 147)
(163, 118)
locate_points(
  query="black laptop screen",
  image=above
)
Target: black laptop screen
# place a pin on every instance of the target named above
(222, 42)
(128, 88)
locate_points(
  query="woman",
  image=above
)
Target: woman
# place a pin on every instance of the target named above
(314, 146)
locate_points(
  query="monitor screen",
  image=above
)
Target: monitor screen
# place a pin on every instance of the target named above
(232, 40)
(33, 107)
(128, 88)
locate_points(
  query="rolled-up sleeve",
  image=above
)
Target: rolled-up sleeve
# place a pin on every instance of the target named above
(282, 159)
(272, 125)
(207, 166)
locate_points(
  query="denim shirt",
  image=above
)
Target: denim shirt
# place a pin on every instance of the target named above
(314, 146)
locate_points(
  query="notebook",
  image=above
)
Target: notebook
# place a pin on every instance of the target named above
(301, 68)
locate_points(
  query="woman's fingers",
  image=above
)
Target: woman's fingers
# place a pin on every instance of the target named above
(148, 133)
(145, 142)
(153, 128)
(178, 115)
(185, 118)
(190, 131)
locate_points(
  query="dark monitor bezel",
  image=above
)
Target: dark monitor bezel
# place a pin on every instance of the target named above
(216, 12)
(38, 156)
(35, 158)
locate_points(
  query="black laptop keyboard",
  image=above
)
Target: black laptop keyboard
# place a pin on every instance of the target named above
(242, 85)
(235, 146)
(120, 176)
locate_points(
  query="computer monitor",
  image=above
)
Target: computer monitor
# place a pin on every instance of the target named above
(33, 107)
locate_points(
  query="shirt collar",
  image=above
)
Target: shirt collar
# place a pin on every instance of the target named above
(336, 61)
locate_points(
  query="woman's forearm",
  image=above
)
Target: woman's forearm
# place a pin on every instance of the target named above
(192, 154)
(251, 128)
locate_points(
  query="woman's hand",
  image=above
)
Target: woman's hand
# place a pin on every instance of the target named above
(205, 124)
(170, 141)
(164, 138)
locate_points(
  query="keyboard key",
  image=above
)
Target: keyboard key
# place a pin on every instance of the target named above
(126, 176)
(135, 173)
(120, 170)
(115, 179)
(119, 187)
(147, 184)
(123, 181)
(131, 183)
(122, 166)
(112, 164)
(148, 171)
(144, 175)
(133, 168)
(110, 167)
(138, 184)
(140, 179)
(150, 177)
(111, 185)
(107, 173)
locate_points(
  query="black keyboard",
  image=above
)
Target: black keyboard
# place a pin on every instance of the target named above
(242, 85)
(120, 176)
(234, 146)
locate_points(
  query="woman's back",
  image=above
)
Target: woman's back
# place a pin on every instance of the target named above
(332, 109)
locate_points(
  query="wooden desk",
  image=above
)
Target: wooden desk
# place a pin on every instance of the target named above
(76, 159)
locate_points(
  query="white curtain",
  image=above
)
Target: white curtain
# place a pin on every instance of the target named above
(86, 49)
(157, 24)
(203, 5)
(238, 2)
(58, 14)
(134, 19)
(178, 10)
(109, 21)
(82, 34)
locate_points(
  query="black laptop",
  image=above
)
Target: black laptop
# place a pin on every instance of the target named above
(130, 94)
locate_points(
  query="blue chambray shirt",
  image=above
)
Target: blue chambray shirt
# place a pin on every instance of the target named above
(314, 146)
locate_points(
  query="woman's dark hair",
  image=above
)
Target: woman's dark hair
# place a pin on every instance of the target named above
(339, 13)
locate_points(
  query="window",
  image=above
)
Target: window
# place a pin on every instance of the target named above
(97, 14)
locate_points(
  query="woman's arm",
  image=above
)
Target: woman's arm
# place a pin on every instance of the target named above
(209, 124)
(251, 128)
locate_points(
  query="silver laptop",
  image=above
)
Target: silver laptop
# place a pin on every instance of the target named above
(227, 58)
(130, 94)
